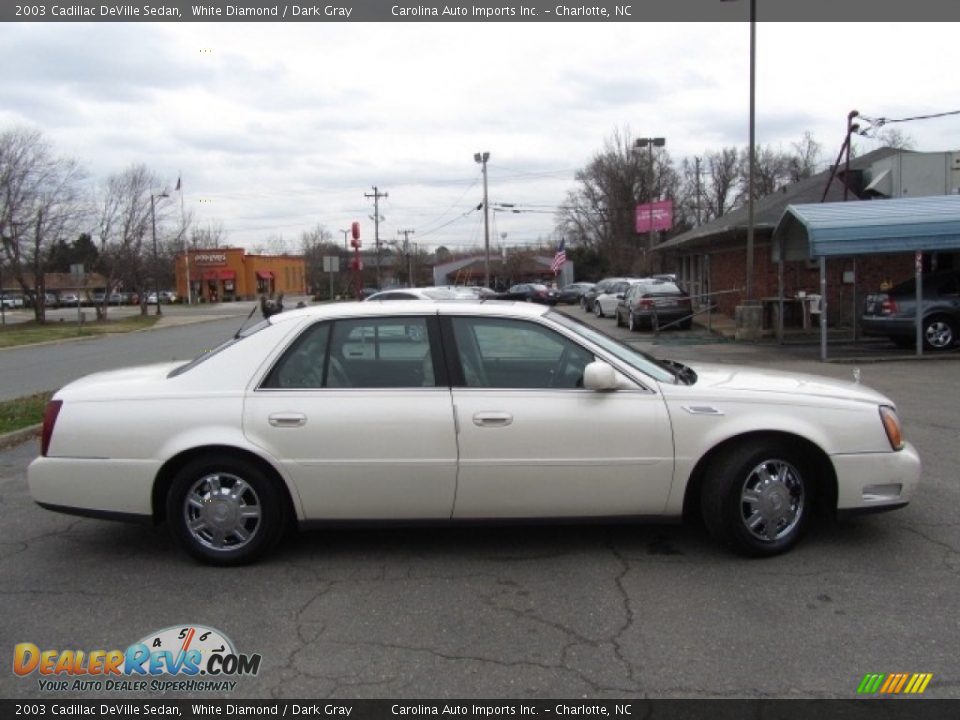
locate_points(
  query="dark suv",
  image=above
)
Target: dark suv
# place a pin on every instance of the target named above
(893, 313)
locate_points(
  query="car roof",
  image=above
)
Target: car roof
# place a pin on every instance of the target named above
(501, 308)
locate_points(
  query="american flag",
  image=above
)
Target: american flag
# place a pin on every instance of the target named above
(559, 259)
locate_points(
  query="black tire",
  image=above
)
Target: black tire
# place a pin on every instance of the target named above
(632, 322)
(619, 319)
(597, 309)
(238, 511)
(939, 333)
(748, 508)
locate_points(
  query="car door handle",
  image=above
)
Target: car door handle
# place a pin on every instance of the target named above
(492, 419)
(287, 419)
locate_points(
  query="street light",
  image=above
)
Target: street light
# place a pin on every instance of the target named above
(156, 263)
(482, 159)
(345, 245)
(650, 143)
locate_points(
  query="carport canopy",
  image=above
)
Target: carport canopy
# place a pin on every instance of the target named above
(868, 227)
(859, 227)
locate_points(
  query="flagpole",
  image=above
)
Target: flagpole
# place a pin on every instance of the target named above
(186, 251)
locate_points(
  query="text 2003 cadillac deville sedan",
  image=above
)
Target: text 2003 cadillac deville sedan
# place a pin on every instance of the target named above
(466, 411)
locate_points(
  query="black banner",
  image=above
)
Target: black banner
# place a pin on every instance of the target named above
(899, 709)
(498, 11)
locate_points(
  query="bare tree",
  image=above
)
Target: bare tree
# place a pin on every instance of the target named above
(213, 235)
(600, 212)
(314, 244)
(125, 224)
(41, 204)
(805, 158)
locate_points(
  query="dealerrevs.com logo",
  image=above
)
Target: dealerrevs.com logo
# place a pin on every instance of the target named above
(182, 658)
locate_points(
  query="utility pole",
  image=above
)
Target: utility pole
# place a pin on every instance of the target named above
(482, 159)
(697, 163)
(406, 251)
(376, 225)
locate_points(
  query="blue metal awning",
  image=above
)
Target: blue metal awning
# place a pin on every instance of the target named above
(869, 227)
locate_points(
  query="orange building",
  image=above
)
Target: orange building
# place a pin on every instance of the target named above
(226, 274)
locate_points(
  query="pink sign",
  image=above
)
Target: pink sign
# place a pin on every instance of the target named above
(661, 213)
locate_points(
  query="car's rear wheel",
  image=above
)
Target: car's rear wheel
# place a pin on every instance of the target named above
(939, 333)
(223, 511)
(619, 319)
(757, 499)
(632, 322)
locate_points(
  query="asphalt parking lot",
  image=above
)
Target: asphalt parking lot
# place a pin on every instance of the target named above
(585, 611)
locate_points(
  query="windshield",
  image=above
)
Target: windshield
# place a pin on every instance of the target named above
(646, 364)
(245, 333)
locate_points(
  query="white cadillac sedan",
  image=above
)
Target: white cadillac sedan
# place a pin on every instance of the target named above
(461, 411)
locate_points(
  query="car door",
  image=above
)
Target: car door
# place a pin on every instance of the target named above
(534, 443)
(358, 411)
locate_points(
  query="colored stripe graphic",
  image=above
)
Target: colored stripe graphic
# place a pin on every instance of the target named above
(894, 683)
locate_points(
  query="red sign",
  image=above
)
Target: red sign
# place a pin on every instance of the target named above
(659, 214)
(355, 230)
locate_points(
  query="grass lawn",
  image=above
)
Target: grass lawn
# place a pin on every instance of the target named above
(22, 412)
(29, 333)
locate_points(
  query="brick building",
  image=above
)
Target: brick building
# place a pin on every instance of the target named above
(226, 274)
(711, 259)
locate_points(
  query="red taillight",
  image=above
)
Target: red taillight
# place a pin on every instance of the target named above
(888, 307)
(646, 304)
(49, 420)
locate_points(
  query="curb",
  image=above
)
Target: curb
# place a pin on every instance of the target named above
(16, 437)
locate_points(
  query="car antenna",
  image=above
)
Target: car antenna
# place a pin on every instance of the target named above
(244, 323)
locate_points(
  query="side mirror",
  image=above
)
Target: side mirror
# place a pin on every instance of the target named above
(599, 376)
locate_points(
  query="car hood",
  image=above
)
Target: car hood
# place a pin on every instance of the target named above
(721, 379)
(123, 382)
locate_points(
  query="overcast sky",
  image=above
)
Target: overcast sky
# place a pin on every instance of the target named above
(276, 128)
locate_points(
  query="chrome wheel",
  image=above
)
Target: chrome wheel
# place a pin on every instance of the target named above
(939, 334)
(222, 512)
(632, 323)
(772, 500)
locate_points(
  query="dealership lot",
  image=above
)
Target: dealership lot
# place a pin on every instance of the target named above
(530, 611)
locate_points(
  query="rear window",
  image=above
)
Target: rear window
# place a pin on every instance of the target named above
(241, 335)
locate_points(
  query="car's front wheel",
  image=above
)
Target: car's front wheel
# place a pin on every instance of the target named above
(939, 333)
(597, 309)
(757, 499)
(223, 511)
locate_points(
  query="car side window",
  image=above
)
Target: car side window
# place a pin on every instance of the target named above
(301, 366)
(501, 353)
(380, 353)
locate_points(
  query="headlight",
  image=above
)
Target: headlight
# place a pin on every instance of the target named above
(891, 423)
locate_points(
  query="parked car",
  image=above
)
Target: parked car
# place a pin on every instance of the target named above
(893, 313)
(532, 292)
(649, 301)
(605, 303)
(428, 293)
(589, 295)
(166, 297)
(420, 411)
(69, 299)
(11, 301)
(570, 294)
